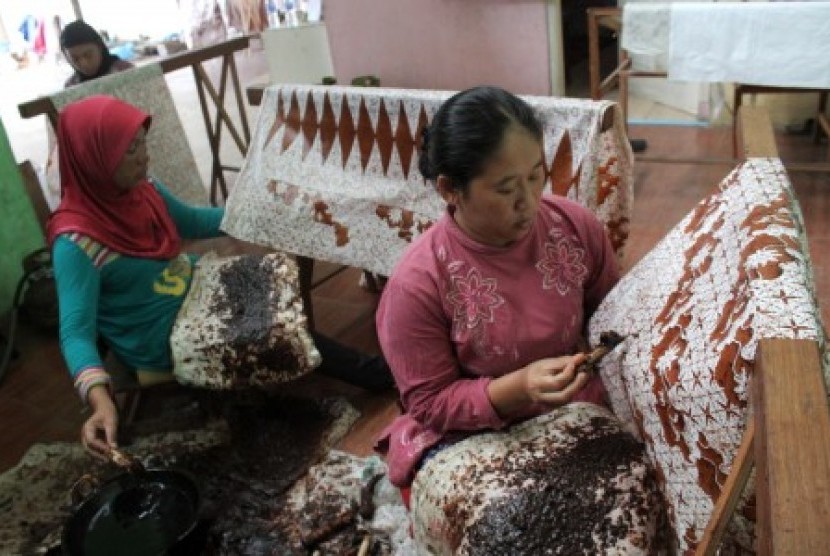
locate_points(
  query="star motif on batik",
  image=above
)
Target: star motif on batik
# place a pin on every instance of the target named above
(563, 266)
(473, 298)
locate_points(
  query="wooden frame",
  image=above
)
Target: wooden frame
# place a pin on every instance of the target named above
(789, 439)
(211, 99)
(741, 89)
(611, 18)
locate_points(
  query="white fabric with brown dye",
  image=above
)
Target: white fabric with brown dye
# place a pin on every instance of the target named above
(734, 271)
(332, 171)
(571, 481)
(242, 324)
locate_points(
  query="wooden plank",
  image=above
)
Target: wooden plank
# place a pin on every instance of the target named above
(730, 495)
(593, 54)
(756, 138)
(198, 55)
(36, 107)
(43, 105)
(35, 193)
(792, 449)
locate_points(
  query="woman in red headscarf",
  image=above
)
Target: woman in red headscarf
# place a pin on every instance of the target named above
(116, 242)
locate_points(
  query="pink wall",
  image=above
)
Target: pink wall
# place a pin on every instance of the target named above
(441, 44)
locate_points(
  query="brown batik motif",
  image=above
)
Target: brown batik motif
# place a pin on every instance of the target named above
(733, 272)
(571, 481)
(332, 171)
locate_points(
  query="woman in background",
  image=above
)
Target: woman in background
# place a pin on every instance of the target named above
(89, 56)
(116, 242)
(87, 53)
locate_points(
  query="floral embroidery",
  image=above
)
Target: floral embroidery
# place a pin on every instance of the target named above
(473, 299)
(563, 266)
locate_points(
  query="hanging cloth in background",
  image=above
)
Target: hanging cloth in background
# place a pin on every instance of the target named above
(204, 22)
(247, 16)
(39, 40)
(777, 44)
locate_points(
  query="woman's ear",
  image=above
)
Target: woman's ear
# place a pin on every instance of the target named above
(445, 188)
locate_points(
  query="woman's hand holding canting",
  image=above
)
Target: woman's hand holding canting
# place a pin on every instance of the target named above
(99, 432)
(552, 381)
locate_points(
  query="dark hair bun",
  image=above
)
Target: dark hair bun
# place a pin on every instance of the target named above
(425, 165)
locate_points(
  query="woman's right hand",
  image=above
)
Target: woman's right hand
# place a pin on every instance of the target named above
(552, 382)
(98, 434)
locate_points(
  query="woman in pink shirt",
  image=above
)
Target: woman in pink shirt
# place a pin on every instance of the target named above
(482, 319)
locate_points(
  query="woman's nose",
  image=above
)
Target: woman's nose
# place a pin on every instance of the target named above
(523, 194)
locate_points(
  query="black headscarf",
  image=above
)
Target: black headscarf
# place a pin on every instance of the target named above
(77, 33)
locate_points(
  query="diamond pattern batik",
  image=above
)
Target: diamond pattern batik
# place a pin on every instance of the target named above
(332, 171)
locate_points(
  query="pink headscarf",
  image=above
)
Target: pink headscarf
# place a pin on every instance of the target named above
(93, 137)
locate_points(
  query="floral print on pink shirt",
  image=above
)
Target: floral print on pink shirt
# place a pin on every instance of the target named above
(563, 266)
(474, 299)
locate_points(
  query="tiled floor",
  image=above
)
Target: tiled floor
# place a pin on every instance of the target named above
(37, 402)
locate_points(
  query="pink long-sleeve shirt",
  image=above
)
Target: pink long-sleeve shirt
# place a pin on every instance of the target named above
(457, 313)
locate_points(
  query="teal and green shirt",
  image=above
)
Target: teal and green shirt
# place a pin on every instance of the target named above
(131, 302)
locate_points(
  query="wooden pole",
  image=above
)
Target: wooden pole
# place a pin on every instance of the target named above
(76, 7)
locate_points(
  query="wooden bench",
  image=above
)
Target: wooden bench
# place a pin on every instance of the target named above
(788, 441)
(722, 365)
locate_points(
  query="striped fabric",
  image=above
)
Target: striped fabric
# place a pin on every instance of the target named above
(97, 253)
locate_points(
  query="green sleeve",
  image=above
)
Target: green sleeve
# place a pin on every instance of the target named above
(78, 284)
(192, 222)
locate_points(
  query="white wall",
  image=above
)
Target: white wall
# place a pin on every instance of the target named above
(129, 20)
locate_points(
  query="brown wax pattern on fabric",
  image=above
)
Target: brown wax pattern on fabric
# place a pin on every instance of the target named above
(403, 139)
(346, 131)
(608, 180)
(561, 173)
(321, 124)
(292, 124)
(279, 120)
(733, 272)
(322, 214)
(384, 137)
(329, 128)
(570, 502)
(245, 450)
(365, 134)
(732, 320)
(273, 441)
(248, 327)
(404, 224)
(309, 125)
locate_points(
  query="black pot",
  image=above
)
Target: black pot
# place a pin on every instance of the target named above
(148, 513)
